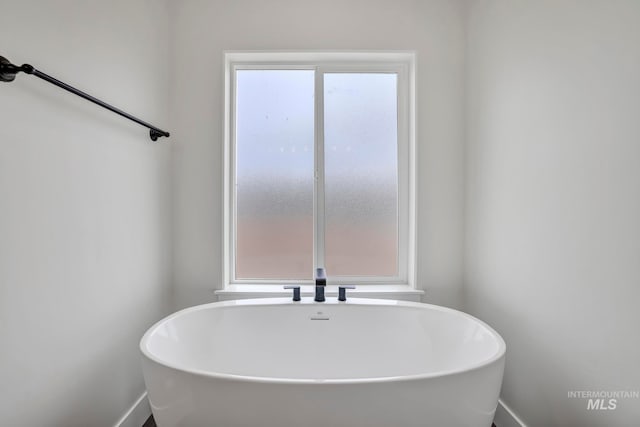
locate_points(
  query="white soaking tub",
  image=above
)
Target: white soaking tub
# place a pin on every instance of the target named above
(359, 363)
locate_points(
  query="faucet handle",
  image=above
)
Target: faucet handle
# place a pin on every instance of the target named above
(296, 291)
(342, 292)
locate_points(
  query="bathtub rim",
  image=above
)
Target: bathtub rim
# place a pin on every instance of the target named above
(500, 353)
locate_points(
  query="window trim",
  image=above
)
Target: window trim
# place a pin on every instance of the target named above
(400, 62)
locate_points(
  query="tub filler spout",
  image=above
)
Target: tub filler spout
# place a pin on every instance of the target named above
(321, 283)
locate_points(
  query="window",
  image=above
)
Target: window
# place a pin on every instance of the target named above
(319, 169)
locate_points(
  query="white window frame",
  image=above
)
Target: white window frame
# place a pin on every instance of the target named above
(400, 62)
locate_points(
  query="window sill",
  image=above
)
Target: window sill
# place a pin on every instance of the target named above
(397, 292)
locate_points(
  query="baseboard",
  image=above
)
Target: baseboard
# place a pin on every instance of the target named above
(137, 414)
(505, 417)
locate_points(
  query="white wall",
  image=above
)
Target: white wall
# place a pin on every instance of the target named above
(84, 223)
(204, 29)
(553, 206)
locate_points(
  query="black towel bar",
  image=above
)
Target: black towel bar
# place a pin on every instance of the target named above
(8, 73)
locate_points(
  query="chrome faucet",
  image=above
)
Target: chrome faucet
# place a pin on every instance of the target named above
(321, 283)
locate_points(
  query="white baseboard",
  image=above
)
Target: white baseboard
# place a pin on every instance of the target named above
(505, 417)
(137, 414)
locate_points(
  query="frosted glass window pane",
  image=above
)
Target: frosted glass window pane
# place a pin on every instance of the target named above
(274, 174)
(361, 177)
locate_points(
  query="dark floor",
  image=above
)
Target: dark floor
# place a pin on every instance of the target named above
(151, 423)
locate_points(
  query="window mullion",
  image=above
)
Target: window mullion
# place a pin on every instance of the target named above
(318, 204)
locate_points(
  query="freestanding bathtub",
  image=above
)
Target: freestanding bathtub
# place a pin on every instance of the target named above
(360, 363)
